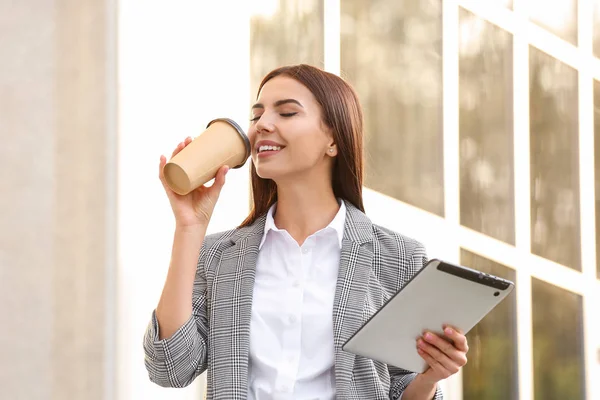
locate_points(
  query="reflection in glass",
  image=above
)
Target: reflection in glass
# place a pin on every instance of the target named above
(486, 128)
(558, 361)
(554, 160)
(391, 52)
(284, 32)
(491, 372)
(597, 171)
(557, 16)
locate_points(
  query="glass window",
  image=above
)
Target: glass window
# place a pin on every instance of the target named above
(597, 172)
(284, 32)
(391, 52)
(557, 16)
(491, 372)
(554, 160)
(558, 361)
(486, 128)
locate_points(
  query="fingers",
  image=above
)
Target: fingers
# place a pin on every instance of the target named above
(445, 357)
(219, 180)
(214, 189)
(440, 343)
(161, 166)
(434, 364)
(161, 176)
(439, 356)
(163, 159)
(181, 146)
(434, 344)
(460, 340)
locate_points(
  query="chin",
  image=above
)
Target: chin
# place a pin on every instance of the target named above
(271, 172)
(267, 175)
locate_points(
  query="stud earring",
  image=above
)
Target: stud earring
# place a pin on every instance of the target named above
(331, 149)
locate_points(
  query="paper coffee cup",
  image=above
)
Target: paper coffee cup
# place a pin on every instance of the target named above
(222, 143)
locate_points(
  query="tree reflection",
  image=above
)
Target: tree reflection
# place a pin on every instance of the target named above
(292, 34)
(554, 160)
(391, 52)
(486, 128)
(491, 372)
(557, 343)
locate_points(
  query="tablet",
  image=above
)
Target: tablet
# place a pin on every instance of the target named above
(439, 294)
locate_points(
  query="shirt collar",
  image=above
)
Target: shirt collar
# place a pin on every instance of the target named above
(337, 223)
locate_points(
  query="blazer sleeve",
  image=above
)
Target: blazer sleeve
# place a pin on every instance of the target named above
(176, 361)
(401, 378)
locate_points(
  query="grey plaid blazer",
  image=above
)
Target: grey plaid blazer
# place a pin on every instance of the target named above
(374, 264)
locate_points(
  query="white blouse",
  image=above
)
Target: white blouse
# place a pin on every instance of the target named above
(291, 331)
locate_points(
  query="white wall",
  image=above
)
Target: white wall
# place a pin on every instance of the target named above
(181, 64)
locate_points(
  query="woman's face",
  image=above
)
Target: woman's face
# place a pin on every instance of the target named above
(287, 135)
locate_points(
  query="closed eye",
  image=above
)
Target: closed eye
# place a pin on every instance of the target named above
(286, 115)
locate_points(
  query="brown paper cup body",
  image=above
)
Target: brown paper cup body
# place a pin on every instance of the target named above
(220, 144)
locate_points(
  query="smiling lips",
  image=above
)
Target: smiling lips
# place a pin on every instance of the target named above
(268, 148)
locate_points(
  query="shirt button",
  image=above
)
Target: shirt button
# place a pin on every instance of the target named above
(305, 250)
(296, 284)
(292, 319)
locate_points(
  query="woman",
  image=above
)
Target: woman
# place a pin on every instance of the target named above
(267, 306)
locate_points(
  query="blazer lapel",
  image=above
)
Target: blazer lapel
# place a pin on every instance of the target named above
(233, 289)
(351, 289)
(232, 309)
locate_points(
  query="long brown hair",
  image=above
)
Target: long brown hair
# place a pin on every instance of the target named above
(342, 113)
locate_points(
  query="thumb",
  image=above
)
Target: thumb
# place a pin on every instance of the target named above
(219, 182)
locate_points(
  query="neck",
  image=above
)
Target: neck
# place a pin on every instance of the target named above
(305, 206)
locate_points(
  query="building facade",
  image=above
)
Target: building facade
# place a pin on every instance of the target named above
(482, 141)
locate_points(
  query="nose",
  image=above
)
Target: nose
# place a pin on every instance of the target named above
(264, 124)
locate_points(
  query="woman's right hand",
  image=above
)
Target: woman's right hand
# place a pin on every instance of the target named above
(195, 208)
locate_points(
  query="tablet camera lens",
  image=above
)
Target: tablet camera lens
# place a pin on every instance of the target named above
(480, 276)
(496, 294)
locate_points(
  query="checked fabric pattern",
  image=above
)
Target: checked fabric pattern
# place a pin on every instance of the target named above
(374, 264)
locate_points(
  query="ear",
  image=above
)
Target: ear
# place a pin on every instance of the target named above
(332, 149)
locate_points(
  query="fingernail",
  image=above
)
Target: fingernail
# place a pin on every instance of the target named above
(428, 336)
(448, 331)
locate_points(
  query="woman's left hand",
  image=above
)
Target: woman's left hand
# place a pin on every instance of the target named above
(443, 357)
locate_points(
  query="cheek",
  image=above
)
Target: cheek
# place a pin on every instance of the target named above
(304, 153)
(252, 138)
(308, 145)
(251, 135)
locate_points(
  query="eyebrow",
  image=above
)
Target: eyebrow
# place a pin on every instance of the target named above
(279, 103)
